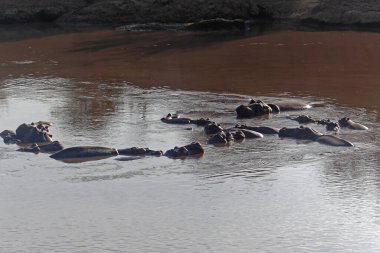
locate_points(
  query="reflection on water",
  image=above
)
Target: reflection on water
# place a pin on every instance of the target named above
(267, 194)
(264, 195)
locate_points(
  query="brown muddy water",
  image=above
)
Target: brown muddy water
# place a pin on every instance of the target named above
(111, 88)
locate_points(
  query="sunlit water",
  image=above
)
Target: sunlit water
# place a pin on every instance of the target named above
(263, 195)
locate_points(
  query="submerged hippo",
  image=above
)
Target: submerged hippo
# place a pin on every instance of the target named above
(84, 153)
(213, 128)
(223, 138)
(302, 119)
(176, 119)
(330, 126)
(254, 109)
(259, 129)
(43, 148)
(307, 133)
(28, 133)
(193, 149)
(347, 122)
(139, 152)
(306, 119)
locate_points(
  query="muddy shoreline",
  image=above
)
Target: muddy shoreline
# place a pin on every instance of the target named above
(122, 12)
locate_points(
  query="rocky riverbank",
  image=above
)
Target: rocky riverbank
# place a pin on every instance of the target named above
(120, 12)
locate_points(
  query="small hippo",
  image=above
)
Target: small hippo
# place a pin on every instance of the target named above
(134, 151)
(175, 119)
(347, 122)
(259, 129)
(302, 119)
(248, 134)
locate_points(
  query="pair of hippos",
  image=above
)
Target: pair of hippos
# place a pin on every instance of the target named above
(36, 138)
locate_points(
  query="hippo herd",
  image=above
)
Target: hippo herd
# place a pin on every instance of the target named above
(36, 137)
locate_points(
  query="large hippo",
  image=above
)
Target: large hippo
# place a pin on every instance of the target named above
(84, 153)
(347, 122)
(307, 133)
(194, 149)
(28, 133)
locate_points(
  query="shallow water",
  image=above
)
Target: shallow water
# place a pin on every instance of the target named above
(266, 195)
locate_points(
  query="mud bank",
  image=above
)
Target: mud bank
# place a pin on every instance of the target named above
(116, 12)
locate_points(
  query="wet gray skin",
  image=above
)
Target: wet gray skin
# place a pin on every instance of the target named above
(194, 149)
(249, 134)
(139, 152)
(302, 119)
(260, 129)
(84, 153)
(347, 122)
(307, 133)
(254, 109)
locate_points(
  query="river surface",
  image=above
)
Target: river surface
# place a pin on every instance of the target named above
(111, 89)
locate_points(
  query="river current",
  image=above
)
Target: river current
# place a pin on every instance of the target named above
(262, 195)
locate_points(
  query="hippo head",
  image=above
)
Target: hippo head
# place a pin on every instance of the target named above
(255, 108)
(31, 133)
(304, 133)
(213, 128)
(344, 122)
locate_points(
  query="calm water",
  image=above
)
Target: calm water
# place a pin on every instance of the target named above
(267, 195)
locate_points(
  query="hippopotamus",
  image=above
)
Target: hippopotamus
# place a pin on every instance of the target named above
(213, 128)
(255, 108)
(139, 152)
(306, 119)
(307, 133)
(302, 119)
(330, 126)
(84, 153)
(248, 133)
(9, 137)
(222, 138)
(194, 149)
(176, 119)
(28, 133)
(43, 148)
(347, 122)
(259, 129)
